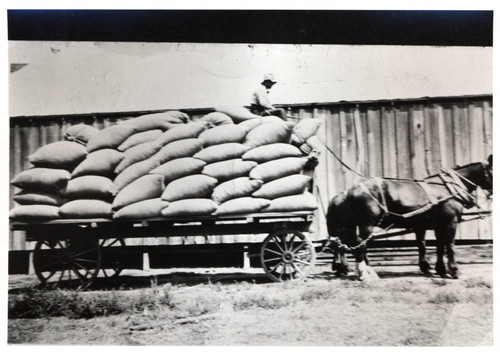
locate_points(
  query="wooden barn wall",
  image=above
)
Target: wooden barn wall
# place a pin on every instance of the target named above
(407, 139)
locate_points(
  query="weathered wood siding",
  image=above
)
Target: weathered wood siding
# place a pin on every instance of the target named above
(407, 139)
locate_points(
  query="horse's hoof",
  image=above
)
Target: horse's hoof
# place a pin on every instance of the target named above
(425, 268)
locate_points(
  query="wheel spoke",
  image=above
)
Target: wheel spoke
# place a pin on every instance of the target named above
(86, 260)
(272, 259)
(48, 264)
(297, 269)
(299, 247)
(278, 245)
(291, 241)
(276, 266)
(283, 240)
(87, 251)
(301, 261)
(270, 250)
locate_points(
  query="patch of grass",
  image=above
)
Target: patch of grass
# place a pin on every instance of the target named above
(248, 301)
(315, 293)
(39, 303)
(439, 282)
(478, 282)
(444, 297)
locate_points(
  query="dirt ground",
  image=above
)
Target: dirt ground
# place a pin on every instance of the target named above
(241, 307)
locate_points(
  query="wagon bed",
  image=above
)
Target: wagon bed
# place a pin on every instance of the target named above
(76, 251)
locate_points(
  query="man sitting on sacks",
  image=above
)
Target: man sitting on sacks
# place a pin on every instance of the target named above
(260, 104)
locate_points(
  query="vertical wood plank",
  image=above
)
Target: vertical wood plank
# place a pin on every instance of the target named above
(389, 142)
(417, 145)
(374, 142)
(488, 128)
(432, 139)
(331, 134)
(360, 143)
(460, 134)
(476, 128)
(349, 154)
(402, 143)
(446, 135)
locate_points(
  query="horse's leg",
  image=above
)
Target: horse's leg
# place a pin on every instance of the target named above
(449, 236)
(440, 267)
(445, 236)
(340, 265)
(365, 272)
(422, 259)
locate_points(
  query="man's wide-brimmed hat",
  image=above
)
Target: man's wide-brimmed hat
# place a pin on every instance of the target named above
(269, 78)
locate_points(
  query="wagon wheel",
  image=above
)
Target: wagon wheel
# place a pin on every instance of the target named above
(111, 249)
(67, 263)
(287, 255)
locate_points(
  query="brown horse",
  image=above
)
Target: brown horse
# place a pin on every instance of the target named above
(435, 203)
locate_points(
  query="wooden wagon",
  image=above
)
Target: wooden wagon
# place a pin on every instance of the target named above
(74, 252)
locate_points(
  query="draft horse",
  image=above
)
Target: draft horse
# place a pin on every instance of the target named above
(434, 203)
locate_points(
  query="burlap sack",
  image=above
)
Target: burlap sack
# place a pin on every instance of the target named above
(216, 119)
(101, 162)
(133, 172)
(274, 132)
(110, 137)
(86, 209)
(236, 188)
(89, 187)
(137, 153)
(37, 212)
(80, 133)
(300, 202)
(285, 186)
(221, 152)
(190, 130)
(270, 152)
(306, 128)
(243, 205)
(41, 179)
(162, 121)
(252, 123)
(32, 198)
(192, 186)
(237, 113)
(145, 187)
(189, 208)
(223, 134)
(145, 209)
(278, 168)
(178, 168)
(139, 138)
(59, 155)
(229, 169)
(178, 149)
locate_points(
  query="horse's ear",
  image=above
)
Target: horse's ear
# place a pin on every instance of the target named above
(490, 160)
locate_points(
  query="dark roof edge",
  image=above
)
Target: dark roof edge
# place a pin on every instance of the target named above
(299, 105)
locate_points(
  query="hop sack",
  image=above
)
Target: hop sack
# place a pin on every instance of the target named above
(190, 130)
(237, 113)
(101, 162)
(139, 138)
(89, 187)
(223, 134)
(145, 187)
(236, 188)
(252, 123)
(162, 121)
(41, 179)
(189, 207)
(216, 119)
(244, 205)
(178, 149)
(229, 169)
(80, 133)
(274, 132)
(32, 198)
(285, 186)
(110, 137)
(178, 168)
(85, 209)
(300, 202)
(193, 186)
(133, 172)
(306, 128)
(221, 152)
(137, 153)
(59, 155)
(36, 212)
(145, 209)
(278, 168)
(270, 152)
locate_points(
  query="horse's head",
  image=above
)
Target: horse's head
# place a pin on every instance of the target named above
(488, 175)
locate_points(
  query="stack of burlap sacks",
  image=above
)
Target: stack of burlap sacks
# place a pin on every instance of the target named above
(166, 165)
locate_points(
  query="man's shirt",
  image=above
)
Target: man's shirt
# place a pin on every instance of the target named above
(260, 97)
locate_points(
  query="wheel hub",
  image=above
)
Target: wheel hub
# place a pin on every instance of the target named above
(288, 256)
